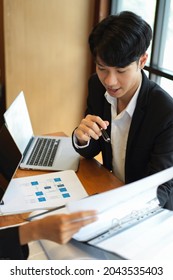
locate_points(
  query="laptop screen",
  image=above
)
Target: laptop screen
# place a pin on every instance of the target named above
(17, 120)
(10, 157)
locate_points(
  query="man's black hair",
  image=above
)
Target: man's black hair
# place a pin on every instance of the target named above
(120, 39)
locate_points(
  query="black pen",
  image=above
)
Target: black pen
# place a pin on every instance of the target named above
(43, 213)
(105, 135)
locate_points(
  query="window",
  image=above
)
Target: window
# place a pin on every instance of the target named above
(167, 62)
(159, 14)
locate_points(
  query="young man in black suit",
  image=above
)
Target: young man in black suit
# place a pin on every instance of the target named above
(136, 112)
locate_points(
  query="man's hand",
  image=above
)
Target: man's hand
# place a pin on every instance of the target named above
(90, 127)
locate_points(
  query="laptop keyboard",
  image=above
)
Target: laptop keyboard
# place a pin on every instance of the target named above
(44, 152)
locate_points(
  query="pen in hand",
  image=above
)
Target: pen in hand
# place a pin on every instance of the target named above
(105, 135)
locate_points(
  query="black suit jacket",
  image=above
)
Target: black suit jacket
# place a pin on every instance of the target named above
(10, 248)
(150, 139)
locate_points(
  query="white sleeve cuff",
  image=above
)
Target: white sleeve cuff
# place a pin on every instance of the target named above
(79, 146)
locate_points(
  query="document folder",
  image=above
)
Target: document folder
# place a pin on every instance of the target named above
(130, 222)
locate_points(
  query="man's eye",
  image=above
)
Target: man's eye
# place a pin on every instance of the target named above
(121, 71)
(101, 68)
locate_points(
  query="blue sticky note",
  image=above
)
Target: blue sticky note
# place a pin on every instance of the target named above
(57, 179)
(41, 199)
(39, 193)
(65, 195)
(62, 189)
(34, 183)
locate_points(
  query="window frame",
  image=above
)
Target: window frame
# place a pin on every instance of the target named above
(158, 43)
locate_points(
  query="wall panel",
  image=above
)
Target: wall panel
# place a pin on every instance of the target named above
(47, 56)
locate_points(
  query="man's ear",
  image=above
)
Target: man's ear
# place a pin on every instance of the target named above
(142, 60)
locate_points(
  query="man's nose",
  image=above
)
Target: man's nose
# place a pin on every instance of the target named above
(110, 79)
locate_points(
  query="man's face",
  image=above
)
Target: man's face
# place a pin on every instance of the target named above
(120, 82)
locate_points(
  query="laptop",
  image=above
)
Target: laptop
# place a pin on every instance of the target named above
(51, 153)
(10, 157)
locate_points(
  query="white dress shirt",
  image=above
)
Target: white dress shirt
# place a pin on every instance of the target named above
(119, 133)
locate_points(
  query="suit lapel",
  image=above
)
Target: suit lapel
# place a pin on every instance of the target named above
(135, 124)
(107, 146)
(139, 112)
(107, 115)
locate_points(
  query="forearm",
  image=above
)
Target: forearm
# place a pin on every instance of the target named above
(30, 232)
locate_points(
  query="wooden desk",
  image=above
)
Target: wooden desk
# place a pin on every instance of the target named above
(94, 177)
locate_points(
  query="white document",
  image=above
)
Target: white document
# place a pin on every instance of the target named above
(45, 191)
(122, 205)
(148, 239)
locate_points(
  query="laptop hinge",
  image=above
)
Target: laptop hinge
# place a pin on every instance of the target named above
(27, 148)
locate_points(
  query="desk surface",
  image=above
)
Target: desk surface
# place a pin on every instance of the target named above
(94, 177)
